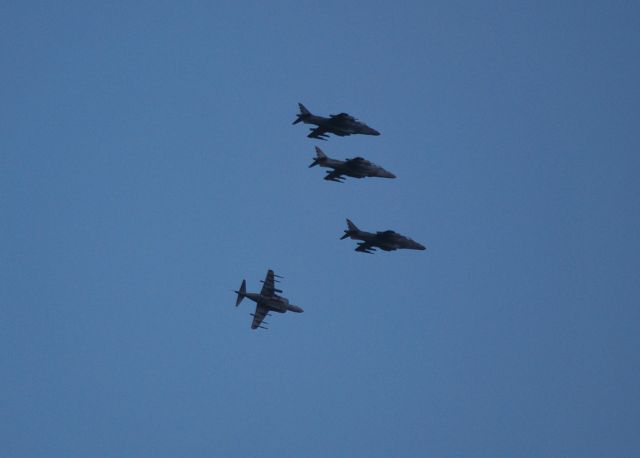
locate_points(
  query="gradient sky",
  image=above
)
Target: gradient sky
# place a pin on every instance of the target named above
(148, 164)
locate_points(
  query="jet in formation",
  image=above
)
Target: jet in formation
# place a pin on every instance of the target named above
(357, 167)
(385, 240)
(341, 124)
(267, 300)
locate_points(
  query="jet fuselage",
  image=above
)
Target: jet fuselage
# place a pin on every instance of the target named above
(341, 124)
(275, 303)
(386, 240)
(357, 167)
(375, 240)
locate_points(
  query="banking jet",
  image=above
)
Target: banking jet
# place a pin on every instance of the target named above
(267, 300)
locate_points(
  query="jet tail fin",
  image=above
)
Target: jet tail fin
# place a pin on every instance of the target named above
(242, 292)
(320, 157)
(304, 113)
(303, 109)
(351, 229)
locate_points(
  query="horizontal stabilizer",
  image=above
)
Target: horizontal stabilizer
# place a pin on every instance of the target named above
(241, 293)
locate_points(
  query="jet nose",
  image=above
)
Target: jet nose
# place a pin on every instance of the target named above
(420, 246)
(295, 308)
(387, 174)
(369, 131)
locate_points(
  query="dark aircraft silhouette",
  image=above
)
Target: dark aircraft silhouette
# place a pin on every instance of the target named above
(266, 300)
(357, 167)
(385, 240)
(341, 124)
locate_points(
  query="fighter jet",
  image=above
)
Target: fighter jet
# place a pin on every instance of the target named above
(267, 300)
(357, 167)
(385, 240)
(341, 124)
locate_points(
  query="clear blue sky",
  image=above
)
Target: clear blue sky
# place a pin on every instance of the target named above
(148, 164)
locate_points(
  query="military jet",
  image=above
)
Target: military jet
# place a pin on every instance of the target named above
(341, 124)
(267, 300)
(357, 167)
(385, 240)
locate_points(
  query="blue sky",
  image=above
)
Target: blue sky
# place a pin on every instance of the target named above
(148, 164)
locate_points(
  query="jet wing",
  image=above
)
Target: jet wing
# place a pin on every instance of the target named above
(342, 118)
(386, 240)
(268, 287)
(319, 132)
(334, 176)
(258, 316)
(365, 247)
(387, 236)
(357, 165)
(357, 161)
